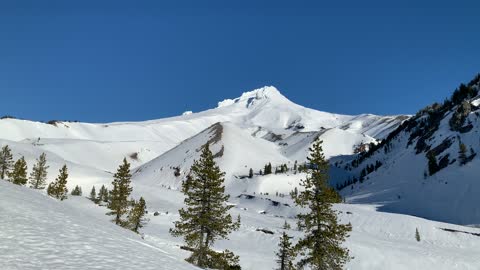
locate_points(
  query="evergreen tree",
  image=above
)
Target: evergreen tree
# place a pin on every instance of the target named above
(286, 252)
(417, 235)
(462, 153)
(250, 173)
(432, 163)
(6, 161)
(51, 189)
(323, 235)
(58, 188)
(294, 192)
(93, 195)
(102, 194)
(295, 166)
(118, 203)
(136, 217)
(38, 176)
(267, 169)
(205, 218)
(77, 191)
(19, 173)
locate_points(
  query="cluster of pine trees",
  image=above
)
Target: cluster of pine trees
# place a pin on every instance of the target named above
(17, 174)
(102, 197)
(283, 168)
(126, 212)
(77, 191)
(363, 175)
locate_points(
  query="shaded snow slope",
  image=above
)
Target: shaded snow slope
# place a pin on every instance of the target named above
(403, 183)
(378, 241)
(38, 232)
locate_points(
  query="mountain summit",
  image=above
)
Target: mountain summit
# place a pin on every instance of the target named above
(248, 99)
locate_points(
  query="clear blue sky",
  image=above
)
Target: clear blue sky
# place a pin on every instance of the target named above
(101, 61)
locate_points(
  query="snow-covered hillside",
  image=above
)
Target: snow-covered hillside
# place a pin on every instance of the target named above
(404, 183)
(255, 120)
(38, 232)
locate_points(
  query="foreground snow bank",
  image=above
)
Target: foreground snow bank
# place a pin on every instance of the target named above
(38, 232)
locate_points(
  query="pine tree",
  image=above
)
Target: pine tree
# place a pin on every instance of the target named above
(38, 176)
(417, 235)
(136, 216)
(462, 153)
(323, 235)
(118, 203)
(77, 191)
(286, 252)
(6, 161)
(205, 218)
(250, 173)
(102, 194)
(93, 195)
(432, 163)
(19, 173)
(58, 188)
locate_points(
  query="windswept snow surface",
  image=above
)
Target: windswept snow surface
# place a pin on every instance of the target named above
(38, 232)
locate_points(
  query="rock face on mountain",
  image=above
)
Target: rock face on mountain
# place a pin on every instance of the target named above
(427, 167)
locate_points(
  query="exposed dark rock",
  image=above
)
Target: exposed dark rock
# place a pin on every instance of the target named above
(246, 196)
(264, 231)
(457, 231)
(442, 146)
(443, 163)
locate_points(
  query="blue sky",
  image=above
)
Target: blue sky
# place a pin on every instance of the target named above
(101, 61)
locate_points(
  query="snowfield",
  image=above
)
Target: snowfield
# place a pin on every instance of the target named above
(39, 232)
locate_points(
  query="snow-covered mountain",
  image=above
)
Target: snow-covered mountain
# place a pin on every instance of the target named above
(263, 117)
(259, 127)
(404, 182)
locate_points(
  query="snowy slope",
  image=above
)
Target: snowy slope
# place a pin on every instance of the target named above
(38, 232)
(403, 184)
(235, 151)
(335, 142)
(378, 241)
